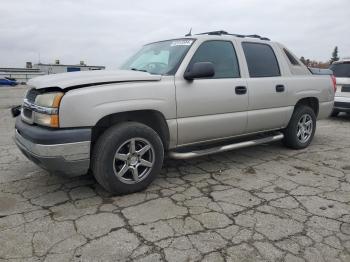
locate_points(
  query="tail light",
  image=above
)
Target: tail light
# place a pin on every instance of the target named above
(334, 81)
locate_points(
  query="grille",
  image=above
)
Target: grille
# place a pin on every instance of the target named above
(31, 95)
(345, 88)
(27, 112)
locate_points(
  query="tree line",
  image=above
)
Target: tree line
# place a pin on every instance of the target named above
(320, 64)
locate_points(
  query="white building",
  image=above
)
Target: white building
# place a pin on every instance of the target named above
(57, 67)
(22, 75)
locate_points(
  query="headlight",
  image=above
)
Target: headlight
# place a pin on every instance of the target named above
(46, 112)
(49, 99)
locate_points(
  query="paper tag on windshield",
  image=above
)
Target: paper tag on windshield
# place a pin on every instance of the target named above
(181, 42)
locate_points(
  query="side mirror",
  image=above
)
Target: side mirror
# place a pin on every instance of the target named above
(200, 70)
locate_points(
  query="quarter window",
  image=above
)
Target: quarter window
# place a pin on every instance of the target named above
(291, 58)
(261, 60)
(222, 55)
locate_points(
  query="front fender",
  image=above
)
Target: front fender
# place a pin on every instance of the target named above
(86, 106)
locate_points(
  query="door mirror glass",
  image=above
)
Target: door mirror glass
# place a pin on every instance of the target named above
(200, 70)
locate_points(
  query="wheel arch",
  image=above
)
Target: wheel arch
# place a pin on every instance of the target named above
(152, 118)
(312, 102)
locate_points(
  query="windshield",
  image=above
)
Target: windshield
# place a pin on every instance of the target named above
(341, 69)
(161, 58)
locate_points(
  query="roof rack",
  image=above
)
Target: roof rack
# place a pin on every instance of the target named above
(221, 32)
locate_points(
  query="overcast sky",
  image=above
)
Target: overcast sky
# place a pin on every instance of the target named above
(106, 32)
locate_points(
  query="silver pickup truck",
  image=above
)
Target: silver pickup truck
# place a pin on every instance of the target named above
(184, 97)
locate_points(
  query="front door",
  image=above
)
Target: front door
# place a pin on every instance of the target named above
(215, 107)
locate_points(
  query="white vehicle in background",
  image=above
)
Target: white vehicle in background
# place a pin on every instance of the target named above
(341, 70)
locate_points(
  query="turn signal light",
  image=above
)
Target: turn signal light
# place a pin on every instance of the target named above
(54, 122)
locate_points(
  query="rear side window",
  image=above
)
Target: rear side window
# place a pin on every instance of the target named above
(222, 55)
(341, 69)
(291, 58)
(261, 60)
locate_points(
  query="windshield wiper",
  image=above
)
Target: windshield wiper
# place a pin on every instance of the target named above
(135, 69)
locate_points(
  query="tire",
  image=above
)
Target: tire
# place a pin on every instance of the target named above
(118, 163)
(292, 137)
(334, 113)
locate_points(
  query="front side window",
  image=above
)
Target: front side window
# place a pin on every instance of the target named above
(221, 54)
(341, 69)
(161, 58)
(261, 60)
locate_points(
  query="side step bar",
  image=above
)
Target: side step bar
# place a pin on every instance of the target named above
(219, 149)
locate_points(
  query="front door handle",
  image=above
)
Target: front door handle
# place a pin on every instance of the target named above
(240, 90)
(279, 88)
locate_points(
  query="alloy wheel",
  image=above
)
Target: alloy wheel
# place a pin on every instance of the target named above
(133, 160)
(304, 128)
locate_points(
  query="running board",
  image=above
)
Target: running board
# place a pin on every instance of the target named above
(219, 149)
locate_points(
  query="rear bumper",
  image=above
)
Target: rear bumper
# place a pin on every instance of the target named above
(325, 109)
(57, 151)
(342, 104)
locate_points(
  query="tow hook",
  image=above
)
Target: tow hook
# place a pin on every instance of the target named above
(16, 110)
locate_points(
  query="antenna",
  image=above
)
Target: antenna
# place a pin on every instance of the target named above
(189, 33)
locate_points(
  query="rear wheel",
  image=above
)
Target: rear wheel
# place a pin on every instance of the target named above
(127, 158)
(301, 128)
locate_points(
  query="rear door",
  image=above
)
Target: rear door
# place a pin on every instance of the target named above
(211, 108)
(268, 102)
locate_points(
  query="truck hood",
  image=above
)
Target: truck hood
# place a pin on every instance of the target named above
(88, 78)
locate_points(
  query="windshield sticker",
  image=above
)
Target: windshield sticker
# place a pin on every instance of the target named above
(181, 42)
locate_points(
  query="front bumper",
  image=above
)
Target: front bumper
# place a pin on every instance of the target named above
(342, 104)
(59, 151)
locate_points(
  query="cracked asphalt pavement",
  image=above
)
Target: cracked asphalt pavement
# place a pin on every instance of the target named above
(264, 203)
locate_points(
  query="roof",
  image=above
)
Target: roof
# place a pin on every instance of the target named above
(215, 35)
(343, 60)
(77, 65)
(33, 73)
(222, 32)
(223, 35)
(18, 69)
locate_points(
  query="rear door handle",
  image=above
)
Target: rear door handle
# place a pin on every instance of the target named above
(240, 90)
(279, 88)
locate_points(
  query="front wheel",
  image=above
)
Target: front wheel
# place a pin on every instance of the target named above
(127, 158)
(301, 128)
